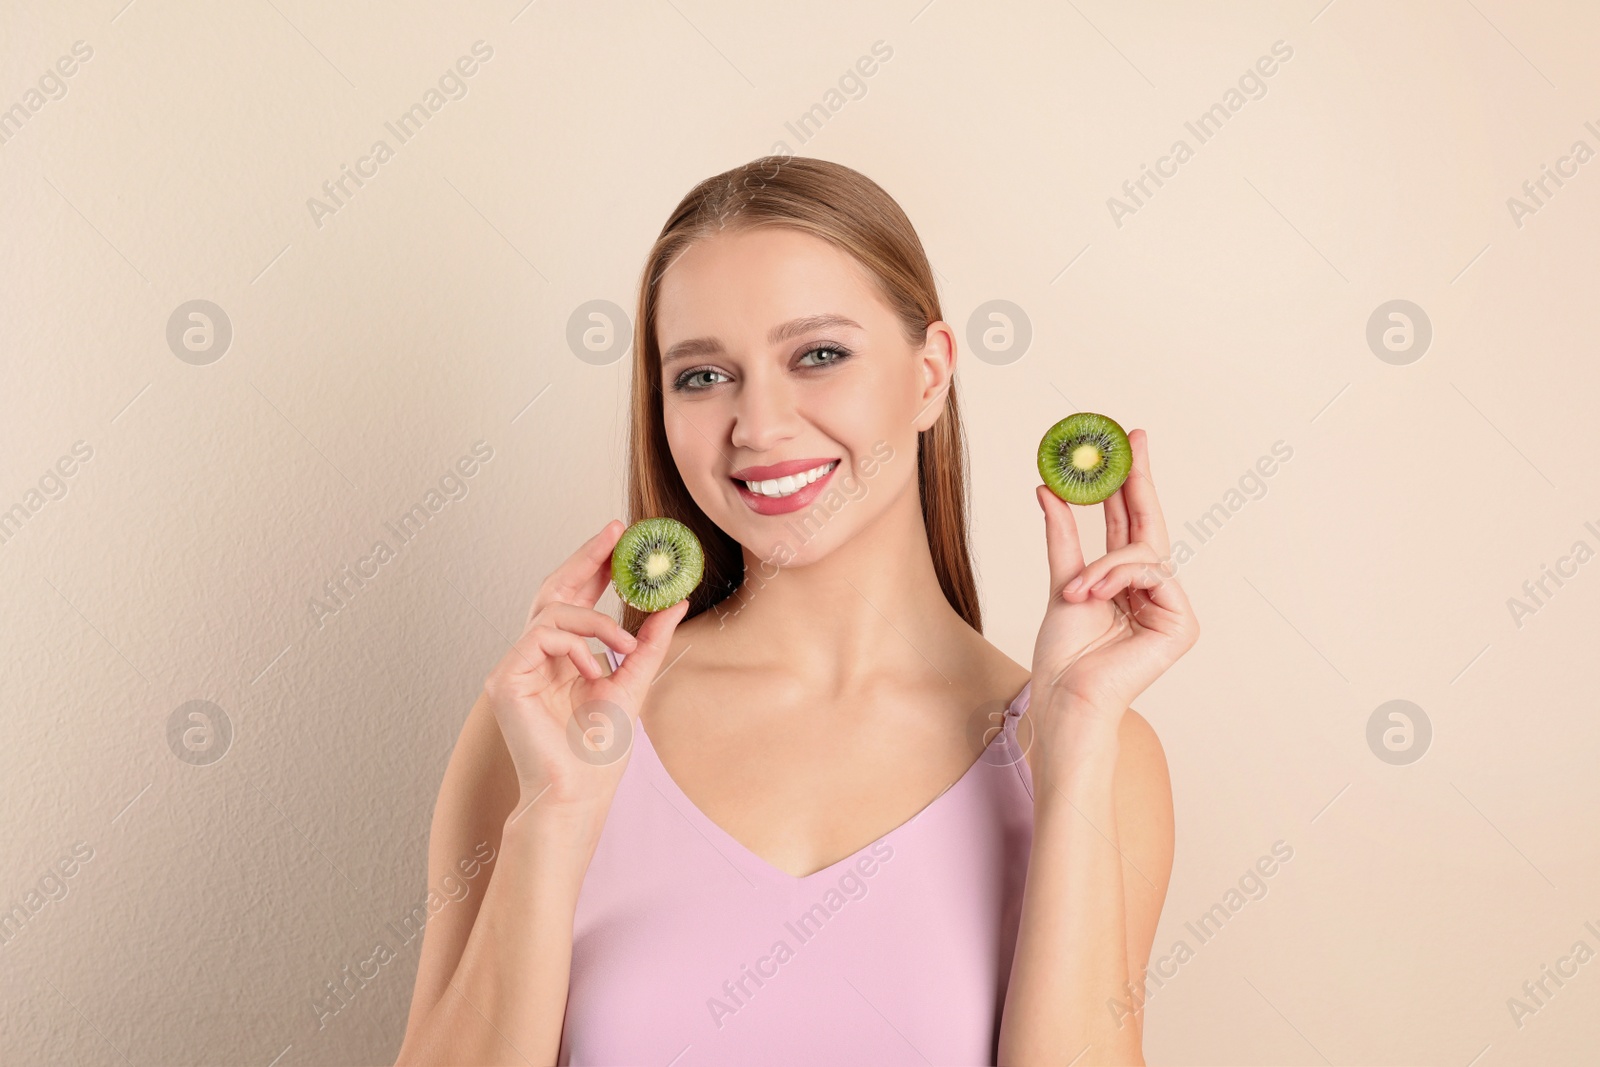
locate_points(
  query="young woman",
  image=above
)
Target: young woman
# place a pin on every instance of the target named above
(811, 815)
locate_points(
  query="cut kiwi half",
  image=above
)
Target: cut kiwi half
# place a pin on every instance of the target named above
(1085, 458)
(657, 562)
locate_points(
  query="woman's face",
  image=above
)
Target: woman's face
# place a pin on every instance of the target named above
(782, 366)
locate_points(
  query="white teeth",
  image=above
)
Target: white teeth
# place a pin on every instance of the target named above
(792, 483)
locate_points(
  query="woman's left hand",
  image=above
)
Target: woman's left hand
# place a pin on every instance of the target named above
(1112, 627)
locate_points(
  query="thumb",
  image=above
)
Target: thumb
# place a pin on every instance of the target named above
(639, 667)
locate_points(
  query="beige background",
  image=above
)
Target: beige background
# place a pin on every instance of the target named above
(369, 353)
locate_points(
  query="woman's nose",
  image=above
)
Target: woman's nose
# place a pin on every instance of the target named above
(764, 414)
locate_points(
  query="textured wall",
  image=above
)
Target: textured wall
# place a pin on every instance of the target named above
(182, 888)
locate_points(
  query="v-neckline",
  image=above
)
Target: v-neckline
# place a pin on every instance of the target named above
(752, 860)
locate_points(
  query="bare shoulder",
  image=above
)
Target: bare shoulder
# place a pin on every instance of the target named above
(1144, 804)
(1144, 831)
(1143, 784)
(1141, 745)
(1000, 673)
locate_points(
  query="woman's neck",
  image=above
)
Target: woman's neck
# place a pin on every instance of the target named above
(870, 604)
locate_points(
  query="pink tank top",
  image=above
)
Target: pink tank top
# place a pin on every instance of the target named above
(690, 950)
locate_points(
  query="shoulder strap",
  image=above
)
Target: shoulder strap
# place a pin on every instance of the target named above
(1020, 703)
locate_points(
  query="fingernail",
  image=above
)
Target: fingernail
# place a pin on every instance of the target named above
(1075, 585)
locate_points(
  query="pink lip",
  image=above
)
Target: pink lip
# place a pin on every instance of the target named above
(801, 498)
(778, 470)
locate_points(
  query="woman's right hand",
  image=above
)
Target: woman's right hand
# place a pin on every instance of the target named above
(569, 726)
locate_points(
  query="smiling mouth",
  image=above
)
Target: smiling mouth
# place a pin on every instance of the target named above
(789, 484)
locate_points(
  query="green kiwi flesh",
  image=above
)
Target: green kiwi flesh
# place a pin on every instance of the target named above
(657, 562)
(1085, 458)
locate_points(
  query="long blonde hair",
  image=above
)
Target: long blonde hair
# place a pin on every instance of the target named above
(849, 210)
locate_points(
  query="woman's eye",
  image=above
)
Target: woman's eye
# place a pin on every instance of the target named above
(695, 379)
(829, 355)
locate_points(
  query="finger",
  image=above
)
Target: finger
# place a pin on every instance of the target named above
(533, 662)
(581, 574)
(560, 643)
(589, 623)
(1116, 517)
(1137, 552)
(1145, 521)
(587, 594)
(1161, 588)
(1062, 548)
(556, 645)
(639, 668)
(1116, 520)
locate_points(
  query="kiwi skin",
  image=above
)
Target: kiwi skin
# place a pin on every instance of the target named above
(651, 544)
(1085, 438)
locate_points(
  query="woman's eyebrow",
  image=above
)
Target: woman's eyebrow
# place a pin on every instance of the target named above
(695, 347)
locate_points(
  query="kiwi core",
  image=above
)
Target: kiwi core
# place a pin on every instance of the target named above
(657, 564)
(1086, 457)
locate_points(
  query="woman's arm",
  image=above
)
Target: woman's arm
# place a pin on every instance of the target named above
(492, 980)
(1097, 877)
(1102, 835)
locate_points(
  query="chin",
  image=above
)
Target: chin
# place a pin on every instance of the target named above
(795, 545)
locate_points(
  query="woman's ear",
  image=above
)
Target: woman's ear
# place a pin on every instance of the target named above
(937, 367)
